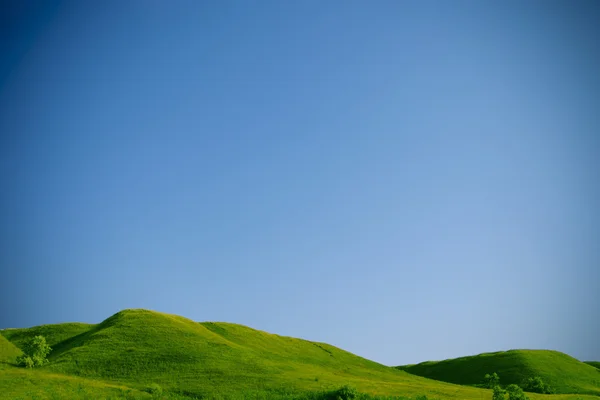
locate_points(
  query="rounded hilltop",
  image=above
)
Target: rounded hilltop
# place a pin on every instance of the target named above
(562, 372)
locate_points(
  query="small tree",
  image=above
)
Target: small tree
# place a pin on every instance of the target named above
(35, 352)
(515, 392)
(498, 393)
(491, 381)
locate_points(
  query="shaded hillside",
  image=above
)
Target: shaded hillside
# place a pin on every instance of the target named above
(595, 364)
(562, 372)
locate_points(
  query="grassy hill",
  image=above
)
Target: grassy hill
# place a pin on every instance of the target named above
(139, 347)
(562, 372)
(124, 355)
(593, 363)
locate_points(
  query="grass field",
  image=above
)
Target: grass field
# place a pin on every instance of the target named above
(128, 353)
(562, 372)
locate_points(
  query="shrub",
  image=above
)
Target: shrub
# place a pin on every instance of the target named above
(35, 352)
(536, 385)
(346, 392)
(498, 393)
(25, 361)
(515, 392)
(491, 381)
(155, 390)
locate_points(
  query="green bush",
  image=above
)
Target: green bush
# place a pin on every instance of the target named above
(491, 381)
(155, 389)
(498, 393)
(25, 361)
(515, 392)
(346, 392)
(35, 352)
(536, 385)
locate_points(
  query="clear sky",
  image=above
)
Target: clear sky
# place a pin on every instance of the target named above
(406, 180)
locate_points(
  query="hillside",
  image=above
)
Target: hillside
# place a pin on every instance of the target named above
(124, 355)
(562, 372)
(8, 351)
(54, 334)
(595, 364)
(19, 383)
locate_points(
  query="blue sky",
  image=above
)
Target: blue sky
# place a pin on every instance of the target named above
(405, 180)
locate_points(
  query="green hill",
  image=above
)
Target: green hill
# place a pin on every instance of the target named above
(595, 364)
(140, 347)
(132, 350)
(562, 372)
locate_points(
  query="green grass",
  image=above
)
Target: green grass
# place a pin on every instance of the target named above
(123, 356)
(562, 372)
(19, 383)
(595, 364)
(8, 351)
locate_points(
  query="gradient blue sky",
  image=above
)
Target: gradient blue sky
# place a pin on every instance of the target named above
(404, 180)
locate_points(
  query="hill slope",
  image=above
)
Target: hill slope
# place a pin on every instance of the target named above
(20, 383)
(54, 334)
(595, 364)
(8, 351)
(562, 372)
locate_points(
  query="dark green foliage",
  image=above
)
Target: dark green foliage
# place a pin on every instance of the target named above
(595, 364)
(515, 392)
(491, 381)
(536, 385)
(155, 390)
(346, 392)
(498, 393)
(35, 352)
(25, 361)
